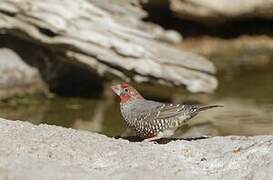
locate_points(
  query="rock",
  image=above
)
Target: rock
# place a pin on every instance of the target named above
(107, 38)
(222, 10)
(48, 152)
(17, 77)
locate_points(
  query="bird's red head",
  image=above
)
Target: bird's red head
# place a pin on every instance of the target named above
(126, 92)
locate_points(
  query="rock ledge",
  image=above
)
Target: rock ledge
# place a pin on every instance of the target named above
(48, 152)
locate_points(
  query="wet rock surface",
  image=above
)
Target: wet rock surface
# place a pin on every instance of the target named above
(48, 152)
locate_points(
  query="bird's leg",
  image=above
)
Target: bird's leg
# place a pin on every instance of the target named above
(152, 138)
(160, 135)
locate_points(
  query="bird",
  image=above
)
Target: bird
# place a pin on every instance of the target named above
(153, 120)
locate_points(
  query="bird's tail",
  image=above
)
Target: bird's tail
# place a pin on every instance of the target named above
(209, 107)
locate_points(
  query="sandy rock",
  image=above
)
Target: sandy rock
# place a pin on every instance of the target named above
(48, 152)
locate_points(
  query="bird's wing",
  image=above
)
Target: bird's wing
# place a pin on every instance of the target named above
(155, 110)
(166, 111)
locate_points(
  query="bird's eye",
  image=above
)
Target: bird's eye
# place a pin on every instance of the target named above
(126, 90)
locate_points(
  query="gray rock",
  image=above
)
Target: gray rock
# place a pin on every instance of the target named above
(16, 76)
(48, 152)
(110, 39)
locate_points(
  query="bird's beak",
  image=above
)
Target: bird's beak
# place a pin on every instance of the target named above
(117, 89)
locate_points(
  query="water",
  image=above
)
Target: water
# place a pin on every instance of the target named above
(78, 113)
(246, 93)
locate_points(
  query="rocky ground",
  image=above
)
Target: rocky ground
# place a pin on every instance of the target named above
(48, 152)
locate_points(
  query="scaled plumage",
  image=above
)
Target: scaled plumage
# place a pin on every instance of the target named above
(152, 119)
